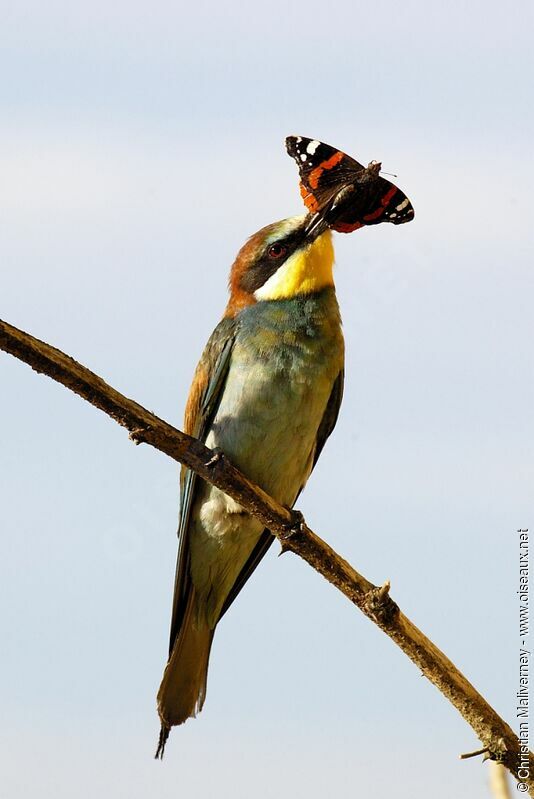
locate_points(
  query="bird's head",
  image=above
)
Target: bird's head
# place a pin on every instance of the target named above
(291, 257)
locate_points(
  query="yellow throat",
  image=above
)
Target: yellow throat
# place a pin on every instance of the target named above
(309, 269)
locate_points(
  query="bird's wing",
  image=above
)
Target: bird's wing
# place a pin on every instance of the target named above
(203, 401)
(328, 422)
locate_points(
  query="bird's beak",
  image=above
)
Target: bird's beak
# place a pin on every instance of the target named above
(315, 225)
(319, 221)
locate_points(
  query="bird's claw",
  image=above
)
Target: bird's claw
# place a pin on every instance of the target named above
(296, 525)
(217, 456)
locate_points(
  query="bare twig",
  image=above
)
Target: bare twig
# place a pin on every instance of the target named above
(498, 780)
(476, 753)
(288, 526)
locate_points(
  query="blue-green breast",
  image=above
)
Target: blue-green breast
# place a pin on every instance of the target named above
(286, 357)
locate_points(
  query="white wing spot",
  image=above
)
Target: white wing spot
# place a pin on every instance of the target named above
(392, 216)
(303, 157)
(298, 139)
(312, 146)
(403, 204)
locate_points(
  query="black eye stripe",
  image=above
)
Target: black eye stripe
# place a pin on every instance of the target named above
(265, 266)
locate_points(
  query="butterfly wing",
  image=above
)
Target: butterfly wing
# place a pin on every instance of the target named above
(372, 203)
(347, 193)
(323, 170)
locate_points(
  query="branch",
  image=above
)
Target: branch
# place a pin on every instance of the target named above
(498, 739)
(498, 783)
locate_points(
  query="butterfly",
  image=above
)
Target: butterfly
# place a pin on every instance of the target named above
(347, 194)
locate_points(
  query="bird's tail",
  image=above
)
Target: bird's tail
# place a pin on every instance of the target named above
(183, 687)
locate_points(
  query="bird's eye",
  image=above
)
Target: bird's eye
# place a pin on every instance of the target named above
(276, 250)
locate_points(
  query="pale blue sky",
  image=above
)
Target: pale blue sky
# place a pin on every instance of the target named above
(139, 146)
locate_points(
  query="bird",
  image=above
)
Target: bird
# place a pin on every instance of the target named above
(266, 392)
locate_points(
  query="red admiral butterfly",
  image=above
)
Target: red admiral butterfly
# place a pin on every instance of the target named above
(347, 194)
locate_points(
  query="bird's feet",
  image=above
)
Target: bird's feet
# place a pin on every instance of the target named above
(217, 456)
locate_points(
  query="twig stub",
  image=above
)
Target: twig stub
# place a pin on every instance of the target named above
(138, 435)
(380, 606)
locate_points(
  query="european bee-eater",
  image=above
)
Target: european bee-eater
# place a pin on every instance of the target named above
(267, 393)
